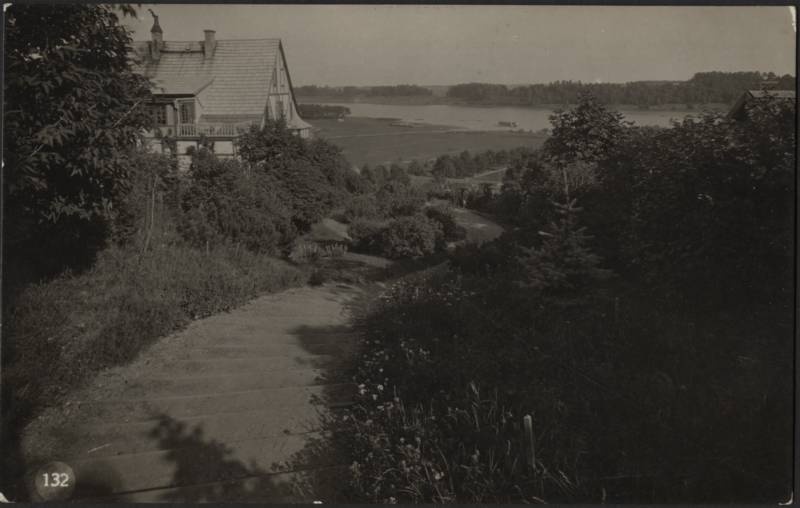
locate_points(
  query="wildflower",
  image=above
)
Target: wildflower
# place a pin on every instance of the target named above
(380, 388)
(438, 476)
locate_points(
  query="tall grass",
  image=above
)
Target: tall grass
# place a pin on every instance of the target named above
(58, 333)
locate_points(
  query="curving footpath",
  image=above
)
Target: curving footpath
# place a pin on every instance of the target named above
(228, 409)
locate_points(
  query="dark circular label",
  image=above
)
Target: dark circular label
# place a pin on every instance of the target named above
(54, 482)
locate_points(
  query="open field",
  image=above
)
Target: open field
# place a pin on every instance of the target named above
(375, 141)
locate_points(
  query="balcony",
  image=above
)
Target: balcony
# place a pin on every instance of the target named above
(209, 130)
(212, 130)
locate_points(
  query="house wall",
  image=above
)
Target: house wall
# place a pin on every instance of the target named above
(280, 98)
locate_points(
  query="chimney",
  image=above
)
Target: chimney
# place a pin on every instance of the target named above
(157, 36)
(210, 43)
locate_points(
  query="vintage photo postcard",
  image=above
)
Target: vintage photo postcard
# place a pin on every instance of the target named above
(398, 253)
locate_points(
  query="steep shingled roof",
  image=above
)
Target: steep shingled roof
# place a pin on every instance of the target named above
(241, 71)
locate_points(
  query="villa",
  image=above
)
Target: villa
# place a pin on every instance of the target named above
(211, 91)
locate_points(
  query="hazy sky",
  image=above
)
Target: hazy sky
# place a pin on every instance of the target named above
(430, 45)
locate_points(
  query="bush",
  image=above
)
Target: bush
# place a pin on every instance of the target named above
(226, 202)
(361, 207)
(450, 229)
(410, 237)
(311, 176)
(442, 393)
(400, 200)
(366, 235)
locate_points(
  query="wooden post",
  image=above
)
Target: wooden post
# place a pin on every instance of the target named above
(152, 211)
(527, 421)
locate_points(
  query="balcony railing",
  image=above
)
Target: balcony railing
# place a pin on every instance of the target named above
(195, 130)
(191, 130)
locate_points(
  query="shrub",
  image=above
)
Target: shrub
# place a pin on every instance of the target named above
(227, 202)
(311, 176)
(400, 200)
(306, 190)
(450, 229)
(410, 237)
(361, 207)
(366, 235)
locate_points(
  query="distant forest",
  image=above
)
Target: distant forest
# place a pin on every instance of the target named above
(702, 88)
(360, 91)
(318, 111)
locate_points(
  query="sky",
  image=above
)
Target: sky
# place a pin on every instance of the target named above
(339, 45)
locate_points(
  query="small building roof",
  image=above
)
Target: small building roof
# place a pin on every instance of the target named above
(779, 94)
(738, 108)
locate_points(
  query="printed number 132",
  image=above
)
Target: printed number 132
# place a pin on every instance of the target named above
(56, 480)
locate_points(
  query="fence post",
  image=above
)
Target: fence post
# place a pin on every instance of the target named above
(527, 421)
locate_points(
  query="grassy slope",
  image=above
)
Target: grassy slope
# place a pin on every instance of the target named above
(375, 141)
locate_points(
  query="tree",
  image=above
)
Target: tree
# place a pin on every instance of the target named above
(313, 176)
(563, 268)
(73, 110)
(581, 138)
(226, 202)
(398, 174)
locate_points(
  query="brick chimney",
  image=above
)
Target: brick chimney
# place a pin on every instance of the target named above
(157, 36)
(210, 43)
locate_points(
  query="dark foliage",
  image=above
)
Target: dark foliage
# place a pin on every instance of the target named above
(669, 382)
(224, 202)
(702, 88)
(397, 199)
(353, 91)
(317, 111)
(410, 237)
(312, 176)
(451, 231)
(73, 110)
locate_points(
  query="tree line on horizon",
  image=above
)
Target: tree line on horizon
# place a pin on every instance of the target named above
(702, 88)
(359, 91)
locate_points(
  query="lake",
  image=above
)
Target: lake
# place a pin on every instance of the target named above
(487, 118)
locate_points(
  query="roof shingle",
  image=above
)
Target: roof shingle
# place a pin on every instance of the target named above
(237, 76)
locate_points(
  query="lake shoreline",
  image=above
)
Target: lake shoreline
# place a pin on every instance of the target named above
(440, 101)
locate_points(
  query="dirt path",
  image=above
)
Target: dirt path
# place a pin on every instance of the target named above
(227, 409)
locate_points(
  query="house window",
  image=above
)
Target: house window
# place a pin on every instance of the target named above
(279, 107)
(159, 113)
(186, 111)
